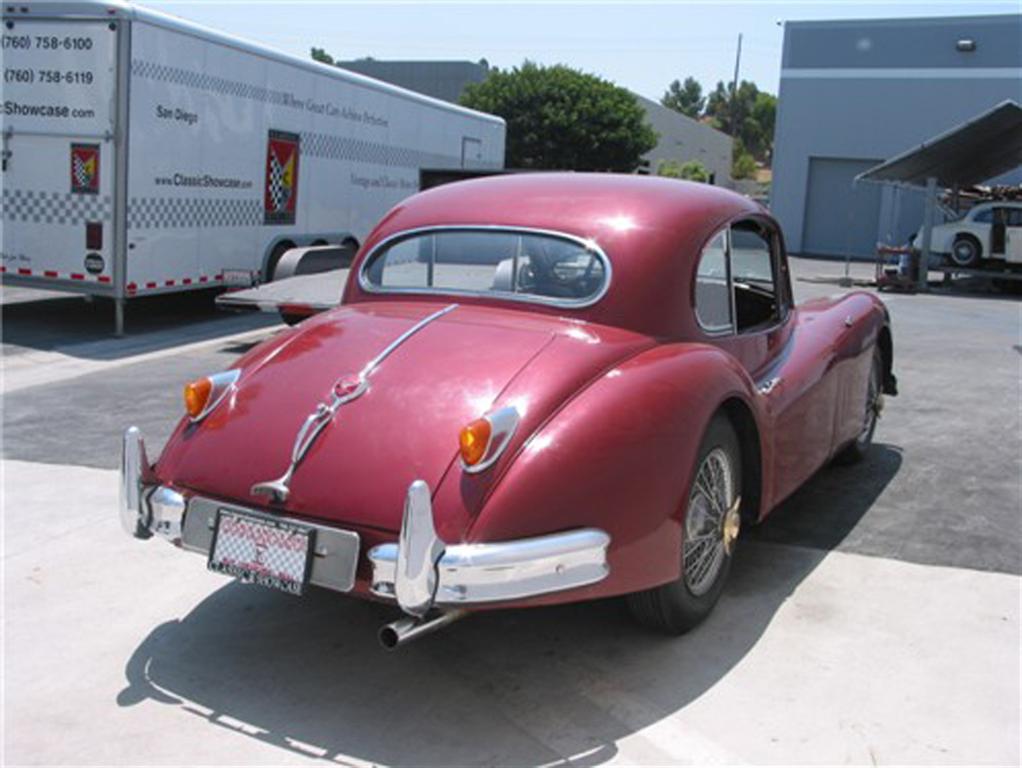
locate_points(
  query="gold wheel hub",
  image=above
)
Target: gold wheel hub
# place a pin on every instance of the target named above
(731, 525)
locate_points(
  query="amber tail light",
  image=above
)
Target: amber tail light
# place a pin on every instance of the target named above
(203, 395)
(482, 441)
(473, 441)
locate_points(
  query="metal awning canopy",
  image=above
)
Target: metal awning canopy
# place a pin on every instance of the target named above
(985, 146)
(979, 149)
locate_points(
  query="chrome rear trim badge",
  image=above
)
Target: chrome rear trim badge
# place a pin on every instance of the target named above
(345, 389)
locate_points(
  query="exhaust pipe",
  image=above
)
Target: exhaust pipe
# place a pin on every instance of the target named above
(409, 628)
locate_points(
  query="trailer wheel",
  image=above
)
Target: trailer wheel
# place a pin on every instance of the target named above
(350, 246)
(966, 251)
(275, 256)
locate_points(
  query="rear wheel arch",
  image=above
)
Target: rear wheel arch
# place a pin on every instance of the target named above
(885, 341)
(687, 407)
(744, 423)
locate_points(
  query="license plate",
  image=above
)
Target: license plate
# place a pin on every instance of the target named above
(262, 551)
(237, 278)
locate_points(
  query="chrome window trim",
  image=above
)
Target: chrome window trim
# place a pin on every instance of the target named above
(588, 244)
(731, 329)
(783, 308)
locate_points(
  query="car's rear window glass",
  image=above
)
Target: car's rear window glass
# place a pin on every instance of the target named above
(526, 265)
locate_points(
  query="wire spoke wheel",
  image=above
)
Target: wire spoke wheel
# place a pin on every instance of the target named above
(709, 521)
(874, 405)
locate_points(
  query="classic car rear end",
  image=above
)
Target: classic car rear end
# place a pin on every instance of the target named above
(519, 403)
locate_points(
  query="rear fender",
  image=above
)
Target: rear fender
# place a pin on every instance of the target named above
(619, 456)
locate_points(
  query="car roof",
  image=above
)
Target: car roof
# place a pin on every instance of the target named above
(651, 228)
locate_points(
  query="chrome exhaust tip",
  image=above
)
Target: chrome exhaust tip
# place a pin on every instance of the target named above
(407, 629)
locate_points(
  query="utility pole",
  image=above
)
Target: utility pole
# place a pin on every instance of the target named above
(734, 89)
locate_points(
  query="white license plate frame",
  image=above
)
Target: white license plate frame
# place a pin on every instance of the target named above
(283, 562)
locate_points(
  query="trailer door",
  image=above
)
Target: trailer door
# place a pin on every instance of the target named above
(58, 152)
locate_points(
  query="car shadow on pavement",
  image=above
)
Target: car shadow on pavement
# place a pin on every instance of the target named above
(85, 329)
(548, 685)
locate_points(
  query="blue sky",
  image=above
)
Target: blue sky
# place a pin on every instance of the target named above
(642, 46)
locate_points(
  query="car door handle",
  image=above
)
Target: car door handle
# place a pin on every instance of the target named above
(768, 386)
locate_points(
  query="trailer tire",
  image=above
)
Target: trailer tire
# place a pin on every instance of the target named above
(275, 256)
(351, 246)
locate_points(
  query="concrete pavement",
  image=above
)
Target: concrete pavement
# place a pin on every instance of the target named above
(873, 619)
(127, 652)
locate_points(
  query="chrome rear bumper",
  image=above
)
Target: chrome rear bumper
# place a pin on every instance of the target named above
(134, 512)
(422, 572)
(147, 508)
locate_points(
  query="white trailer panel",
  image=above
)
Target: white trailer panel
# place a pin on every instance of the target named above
(59, 107)
(200, 157)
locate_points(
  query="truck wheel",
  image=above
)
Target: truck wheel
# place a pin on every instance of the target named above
(856, 450)
(711, 524)
(966, 251)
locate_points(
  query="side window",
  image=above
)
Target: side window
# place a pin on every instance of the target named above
(757, 298)
(1015, 217)
(713, 299)
(985, 216)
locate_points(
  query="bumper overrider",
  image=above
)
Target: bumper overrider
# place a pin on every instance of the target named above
(419, 571)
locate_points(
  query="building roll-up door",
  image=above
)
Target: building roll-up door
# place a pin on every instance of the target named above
(842, 217)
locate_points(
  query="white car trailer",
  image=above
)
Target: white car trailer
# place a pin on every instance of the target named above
(143, 154)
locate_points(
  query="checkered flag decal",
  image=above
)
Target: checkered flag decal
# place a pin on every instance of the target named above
(82, 175)
(279, 194)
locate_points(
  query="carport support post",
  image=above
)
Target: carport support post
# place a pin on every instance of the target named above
(923, 271)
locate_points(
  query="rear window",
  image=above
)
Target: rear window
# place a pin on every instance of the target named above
(533, 266)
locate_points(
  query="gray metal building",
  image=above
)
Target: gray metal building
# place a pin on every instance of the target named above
(854, 93)
(681, 137)
(439, 79)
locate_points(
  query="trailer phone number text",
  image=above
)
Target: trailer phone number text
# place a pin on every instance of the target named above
(48, 76)
(47, 42)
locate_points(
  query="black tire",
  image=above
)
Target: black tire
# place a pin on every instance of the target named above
(966, 252)
(856, 450)
(275, 256)
(675, 608)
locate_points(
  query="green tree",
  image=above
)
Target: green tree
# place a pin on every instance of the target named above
(318, 54)
(558, 117)
(693, 170)
(743, 164)
(686, 97)
(749, 116)
(764, 113)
